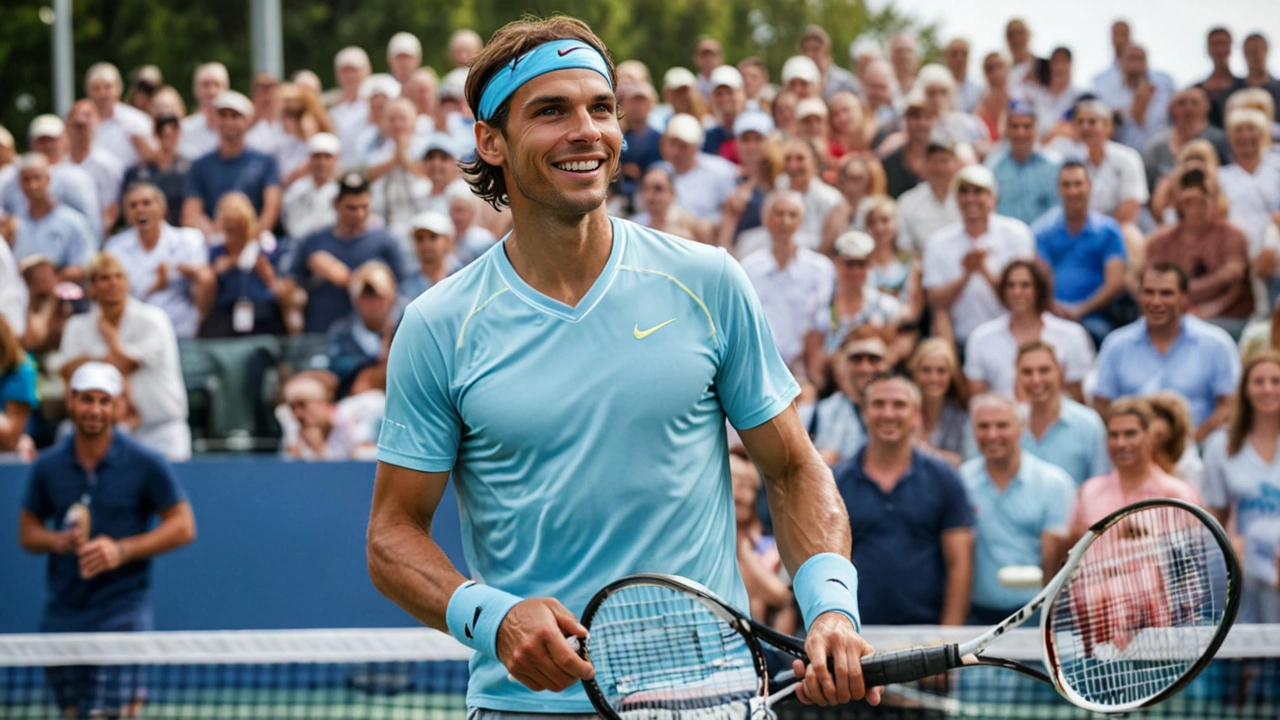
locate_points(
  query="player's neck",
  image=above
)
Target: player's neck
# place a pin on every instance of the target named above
(558, 256)
(90, 450)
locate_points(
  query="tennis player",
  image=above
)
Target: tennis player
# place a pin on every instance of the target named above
(575, 381)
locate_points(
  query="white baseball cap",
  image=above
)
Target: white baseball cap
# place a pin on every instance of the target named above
(683, 126)
(811, 106)
(678, 77)
(234, 101)
(45, 126)
(379, 84)
(443, 142)
(351, 56)
(97, 376)
(800, 66)
(978, 175)
(403, 43)
(753, 121)
(454, 84)
(854, 244)
(324, 144)
(433, 222)
(726, 75)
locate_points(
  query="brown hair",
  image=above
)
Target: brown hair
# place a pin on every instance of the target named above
(1170, 407)
(12, 355)
(1039, 277)
(1031, 346)
(1138, 407)
(1241, 421)
(877, 183)
(508, 43)
(957, 391)
(237, 205)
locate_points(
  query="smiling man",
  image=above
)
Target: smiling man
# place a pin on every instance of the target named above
(517, 373)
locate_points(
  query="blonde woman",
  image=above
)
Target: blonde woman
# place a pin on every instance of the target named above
(944, 416)
(1197, 153)
(858, 178)
(243, 302)
(1172, 446)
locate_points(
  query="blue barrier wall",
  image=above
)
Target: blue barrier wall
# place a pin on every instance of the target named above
(279, 545)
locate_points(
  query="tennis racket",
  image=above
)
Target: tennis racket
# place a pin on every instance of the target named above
(1138, 609)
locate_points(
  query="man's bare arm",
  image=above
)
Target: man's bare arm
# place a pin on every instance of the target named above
(957, 553)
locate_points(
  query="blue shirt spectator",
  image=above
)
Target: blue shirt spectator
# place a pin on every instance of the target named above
(1078, 260)
(70, 185)
(326, 302)
(62, 235)
(1075, 442)
(839, 426)
(1028, 188)
(243, 288)
(641, 149)
(902, 530)
(212, 176)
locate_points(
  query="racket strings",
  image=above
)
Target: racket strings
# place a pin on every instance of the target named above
(1141, 608)
(660, 653)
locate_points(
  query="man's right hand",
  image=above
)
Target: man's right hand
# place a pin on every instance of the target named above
(532, 644)
(65, 542)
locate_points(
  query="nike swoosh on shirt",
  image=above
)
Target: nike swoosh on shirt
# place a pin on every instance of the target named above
(642, 334)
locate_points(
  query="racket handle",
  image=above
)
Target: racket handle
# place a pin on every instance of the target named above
(908, 664)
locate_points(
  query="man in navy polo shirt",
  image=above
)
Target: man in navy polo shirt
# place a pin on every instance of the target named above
(100, 490)
(232, 166)
(912, 524)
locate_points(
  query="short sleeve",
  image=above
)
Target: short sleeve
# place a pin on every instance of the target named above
(1077, 356)
(753, 383)
(1228, 368)
(162, 488)
(84, 245)
(271, 178)
(937, 270)
(1133, 180)
(20, 385)
(1107, 384)
(421, 428)
(37, 501)
(392, 257)
(956, 512)
(194, 187)
(1216, 490)
(974, 364)
(298, 270)
(1060, 494)
(1101, 460)
(1113, 243)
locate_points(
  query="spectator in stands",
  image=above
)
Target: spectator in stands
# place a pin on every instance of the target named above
(994, 104)
(892, 271)
(1167, 349)
(314, 428)
(473, 239)
(877, 89)
(755, 83)
(101, 491)
(1259, 75)
(815, 44)
(1189, 111)
(440, 164)
(905, 58)
(423, 91)
(138, 340)
(1026, 175)
(166, 169)
(166, 266)
(904, 167)
(762, 164)
(350, 112)
(859, 178)
(1020, 508)
(659, 211)
(1054, 99)
(1059, 430)
(49, 304)
(123, 130)
(963, 262)
(308, 203)
(727, 102)
(854, 303)
(302, 115)
(840, 428)
(793, 282)
(200, 129)
(703, 182)
(50, 228)
(232, 166)
(1141, 97)
(144, 83)
(399, 187)
(14, 297)
(18, 397)
(244, 266)
(355, 341)
(1018, 37)
(943, 428)
(377, 91)
(802, 77)
(1211, 251)
(939, 88)
(1197, 154)
(464, 45)
(800, 162)
(1251, 184)
(1221, 81)
(990, 363)
(322, 265)
(1110, 78)
(266, 131)
(434, 242)
(1241, 477)
(102, 166)
(758, 556)
(404, 55)
(930, 206)
(1172, 447)
(641, 151)
(1135, 477)
(1086, 254)
(783, 112)
(908, 510)
(68, 183)
(1117, 179)
(852, 130)
(968, 92)
(708, 54)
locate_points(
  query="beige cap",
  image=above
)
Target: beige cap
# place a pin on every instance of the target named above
(324, 144)
(688, 128)
(727, 75)
(802, 68)
(433, 222)
(811, 106)
(866, 346)
(45, 126)
(854, 244)
(351, 56)
(97, 376)
(232, 100)
(977, 175)
(678, 77)
(403, 43)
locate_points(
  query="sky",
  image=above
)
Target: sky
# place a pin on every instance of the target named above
(1173, 31)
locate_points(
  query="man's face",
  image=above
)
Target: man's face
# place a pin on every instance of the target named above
(1161, 299)
(93, 412)
(1020, 291)
(656, 193)
(1193, 204)
(1074, 189)
(323, 165)
(753, 79)
(1128, 443)
(998, 431)
(798, 162)
(783, 219)
(562, 141)
(400, 120)
(750, 147)
(1060, 69)
(80, 124)
(815, 50)
(1119, 36)
(1039, 378)
(350, 76)
(975, 202)
(1018, 36)
(637, 105)
(903, 57)
(919, 125)
(1255, 54)
(724, 100)
(812, 126)
(890, 410)
(1021, 131)
(312, 412)
(373, 308)
(232, 125)
(462, 51)
(875, 83)
(940, 167)
(801, 88)
(1219, 46)
(708, 56)
(144, 209)
(1091, 128)
(957, 58)
(862, 364)
(938, 97)
(353, 210)
(996, 71)
(1246, 140)
(103, 91)
(109, 287)
(1135, 61)
(1188, 108)
(682, 155)
(208, 87)
(403, 64)
(35, 183)
(462, 211)
(441, 168)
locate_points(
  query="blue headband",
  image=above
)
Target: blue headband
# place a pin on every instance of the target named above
(549, 57)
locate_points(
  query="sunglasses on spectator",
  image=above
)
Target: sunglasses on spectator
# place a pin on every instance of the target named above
(858, 357)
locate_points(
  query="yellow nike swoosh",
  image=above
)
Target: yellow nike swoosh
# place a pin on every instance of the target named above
(642, 334)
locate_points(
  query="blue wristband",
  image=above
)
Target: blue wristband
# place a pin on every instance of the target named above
(475, 611)
(827, 582)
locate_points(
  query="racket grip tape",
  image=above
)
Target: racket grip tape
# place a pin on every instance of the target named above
(908, 664)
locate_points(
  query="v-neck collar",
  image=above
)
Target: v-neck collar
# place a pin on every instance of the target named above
(551, 306)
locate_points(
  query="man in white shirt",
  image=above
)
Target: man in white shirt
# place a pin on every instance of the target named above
(800, 165)
(200, 128)
(350, 114)
(166, 266)
(123, 130)
(404, 55)
(928, 207)
(1119, 180)
(703, 182)
(138, 339)
(968, 92)
(1107, 80)
(308, 203)
(102, 166)
(963, 262)
(792, 281)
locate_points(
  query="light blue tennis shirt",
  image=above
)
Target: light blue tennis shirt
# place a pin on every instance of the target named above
(1076, 442)
(1008, 524)
(586, 442)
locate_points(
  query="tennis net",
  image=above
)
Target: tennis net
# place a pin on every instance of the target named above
(420, 674)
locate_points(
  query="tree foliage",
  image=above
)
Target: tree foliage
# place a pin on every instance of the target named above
(177, 36)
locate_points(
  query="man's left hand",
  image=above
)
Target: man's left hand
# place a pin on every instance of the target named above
(832, 640)
(99, 555)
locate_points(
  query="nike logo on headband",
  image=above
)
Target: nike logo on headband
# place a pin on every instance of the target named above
(566, 51)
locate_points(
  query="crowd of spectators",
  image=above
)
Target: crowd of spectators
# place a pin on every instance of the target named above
(1066, 273)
